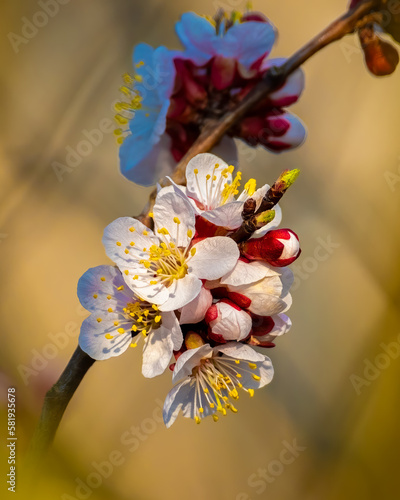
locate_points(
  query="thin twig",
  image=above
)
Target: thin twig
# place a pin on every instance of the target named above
(55, 403)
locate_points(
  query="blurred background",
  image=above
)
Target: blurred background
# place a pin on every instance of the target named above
(327, 426)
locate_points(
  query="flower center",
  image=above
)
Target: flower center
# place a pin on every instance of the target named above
(167, 261)
(217, 193)
(217, 381)
(145, 317)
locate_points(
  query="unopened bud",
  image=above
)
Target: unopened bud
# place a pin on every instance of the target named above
(227, 322)
(278, 247)
(381, 57)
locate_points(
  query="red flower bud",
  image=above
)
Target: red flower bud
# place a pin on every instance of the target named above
(279, 247)
(381, 57)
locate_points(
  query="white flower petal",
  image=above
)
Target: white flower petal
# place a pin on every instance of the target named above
(181, 292)
(214, 257)
(197, 308)
(170, 321)
(246, 272)
(102, 287)
(198, 186)
(131, 235)
(239, 351)
(92, 338)
(228, 215)
(169, 206)
(177, 397)
(188, 360)
(157, 352)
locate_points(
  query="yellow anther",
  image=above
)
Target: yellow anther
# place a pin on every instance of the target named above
(102, 279)
(121, 330)
(99, 320)
(205, 390)
(132, 243)
(138, 78)
(201, 410)
(146, 312)
(251, 392)
(231, 168)
(116, 323)
(151, 214)
(125, 90)
(136, 277)
(196, 171)
(237, 361)
(256, 377)
(95, 296)
(197, 419)
(121, 119)
(193, 251)
(215, 418)
(108, 336)
(232, 408)
(157, 319)
(133, 345)
(110, 310)
(132, 229)
(118, 131)
(126, 272)
(208, 176)
(109, 297)
(145, 233)
(253, 366)
(250, 187)
(139, 64)
(127, 78)
(238, 375)
(176, 220)
(134, 328)
(189, 233)
(126, 251)
(144, 333)
(214, 177)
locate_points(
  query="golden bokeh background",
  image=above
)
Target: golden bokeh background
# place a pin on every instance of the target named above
(342, 415)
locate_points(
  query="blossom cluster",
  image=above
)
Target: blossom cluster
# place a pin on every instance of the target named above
(188, 291)
(172, 94)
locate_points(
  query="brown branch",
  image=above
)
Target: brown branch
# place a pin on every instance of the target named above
(55, 403)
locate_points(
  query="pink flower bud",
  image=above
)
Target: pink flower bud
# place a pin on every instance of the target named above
(279, 247)
(227, 322)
